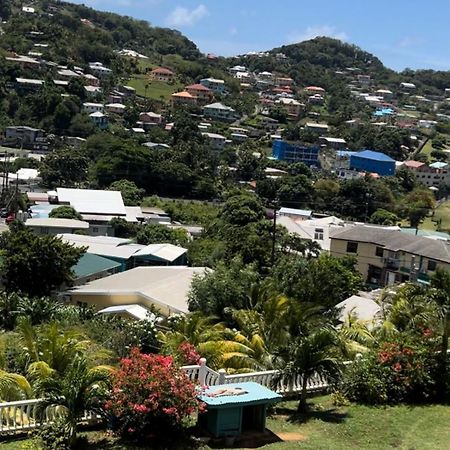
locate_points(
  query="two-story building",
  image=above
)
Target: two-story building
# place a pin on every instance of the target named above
(162, 74)
(215, 84)
(386, 256)
(219, 111)
(204, 95)
(90, 107)
(295, 152)
(434, 174)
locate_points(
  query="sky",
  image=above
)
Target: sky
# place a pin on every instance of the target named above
(402, 33)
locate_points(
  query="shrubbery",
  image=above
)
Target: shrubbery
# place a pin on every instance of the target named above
(151, 396)
(401, 370)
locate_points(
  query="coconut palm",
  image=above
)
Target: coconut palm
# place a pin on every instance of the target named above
(14, 387)
(355, 336)
(69, 395)
(221, 346)
(309, 355)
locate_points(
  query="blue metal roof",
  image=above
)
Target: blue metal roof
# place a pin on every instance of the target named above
(376, 156)
(90, 264)
(344, 153)
(255, 393)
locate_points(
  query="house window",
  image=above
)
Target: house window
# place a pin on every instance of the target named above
(352, 247)
(379, 251)
(318, 234)
(432, 265)
(95, 230)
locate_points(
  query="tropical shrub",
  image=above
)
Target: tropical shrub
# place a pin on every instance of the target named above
(404, 369)
(150, 396)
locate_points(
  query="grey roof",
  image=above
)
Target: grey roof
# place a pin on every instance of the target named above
(396, 241)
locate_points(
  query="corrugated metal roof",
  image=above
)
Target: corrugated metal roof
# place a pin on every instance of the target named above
(90, 201)
(57, 223)
(136, 311)
(90, 264)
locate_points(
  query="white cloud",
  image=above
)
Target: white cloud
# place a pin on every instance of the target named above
(182, 16)
(315, 31)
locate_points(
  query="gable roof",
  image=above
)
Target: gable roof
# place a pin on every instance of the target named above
(90, 264)
(198, 87)
(413, 164)
(163, 70)
(396, 241)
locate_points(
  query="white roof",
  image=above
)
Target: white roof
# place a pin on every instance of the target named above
(90, 201)
(135, 311)
(68, 73)
(138, 130)
(164, 286)
(296, 212)
(213, 136)
(93, 88)
(218, 105)
(97, 114)
(57, 223)
(93, 105)
(25, 174)
(363, 308)
(123, 248)
(317, 125)
(213, 80)
(289, 101)
(335, 140)
(115, 105)
(30, 81)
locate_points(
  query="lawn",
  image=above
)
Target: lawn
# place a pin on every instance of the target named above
(156, 90)
(442, 215)
(327, 427)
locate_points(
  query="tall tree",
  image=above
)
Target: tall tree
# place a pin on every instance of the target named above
(37, 265)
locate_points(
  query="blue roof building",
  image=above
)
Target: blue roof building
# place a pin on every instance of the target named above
(295, 152)
(373, 162)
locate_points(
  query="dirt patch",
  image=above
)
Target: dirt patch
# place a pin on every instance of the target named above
(289, 437)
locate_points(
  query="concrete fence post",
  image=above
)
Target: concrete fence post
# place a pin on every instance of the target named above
(202, 371)
(222, 374)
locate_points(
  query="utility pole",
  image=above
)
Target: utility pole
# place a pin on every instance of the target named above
(274, 230)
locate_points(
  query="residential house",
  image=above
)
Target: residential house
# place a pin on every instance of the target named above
(127, 253)
(216, 141)
(267, 76)
(99, 70)
(386, 257)
(156, 145)
(91, 80)
(315, 90)
(432, 175)
(238, 137)
(407, 86)
(151, 118)
(284, 81)
(24, 61)
(127, 91)
(67, 74)
(184, 98)
(55, 226)
(234, 70)
(162, 74)
(386, 94)
(332, 142)
(28, 84)
(74, 142)
(293, 213)
(115, 108)
(291, 106)
(295, 152)
(363, 80)
(317, 127)
(216, 85)
(372, 162)
(93, 107)
(244, 77)
(219, 111)
(204, 95)
(163, 288)
(100, 120)
(23, 135)
(268, 123)
(92, 91)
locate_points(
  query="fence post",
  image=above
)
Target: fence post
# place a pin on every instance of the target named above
(222, 373)
(202, 371)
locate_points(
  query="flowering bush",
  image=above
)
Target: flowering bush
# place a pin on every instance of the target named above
(401, 370)
(150, 394)
(187, 354)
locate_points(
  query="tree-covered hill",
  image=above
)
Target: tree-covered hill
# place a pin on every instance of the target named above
(78, 34)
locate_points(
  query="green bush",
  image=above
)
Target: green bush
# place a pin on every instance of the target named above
(404, 370)
(54, 436)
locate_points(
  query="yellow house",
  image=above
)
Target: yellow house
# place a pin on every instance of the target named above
(387, 256)
(164, 288)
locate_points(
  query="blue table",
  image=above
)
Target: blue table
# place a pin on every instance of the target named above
(230, 415)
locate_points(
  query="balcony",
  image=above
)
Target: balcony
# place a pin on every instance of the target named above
(391, 263)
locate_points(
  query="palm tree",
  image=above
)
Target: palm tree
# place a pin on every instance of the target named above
(78, 390)
(310, 355)
(355, 336)
(222, 347)
(14, 387)
(441, 295)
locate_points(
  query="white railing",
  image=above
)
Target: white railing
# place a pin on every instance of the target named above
(25, 415)
(272, 379)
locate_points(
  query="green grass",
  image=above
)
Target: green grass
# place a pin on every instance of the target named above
(441, 217)
(330, 428)
(427, 149)
(156, 90)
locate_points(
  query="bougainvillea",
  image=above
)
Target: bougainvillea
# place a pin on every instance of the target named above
(151, 394)
(187, 354)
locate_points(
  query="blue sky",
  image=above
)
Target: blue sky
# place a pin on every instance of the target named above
(402, 33)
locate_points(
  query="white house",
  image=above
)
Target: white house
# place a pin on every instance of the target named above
(93, 107)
